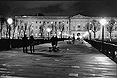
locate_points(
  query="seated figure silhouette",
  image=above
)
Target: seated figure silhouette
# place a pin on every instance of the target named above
(54, 42)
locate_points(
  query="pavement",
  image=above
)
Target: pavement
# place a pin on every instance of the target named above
(71, 61)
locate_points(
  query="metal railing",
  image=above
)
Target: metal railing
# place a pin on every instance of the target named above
(109, 49)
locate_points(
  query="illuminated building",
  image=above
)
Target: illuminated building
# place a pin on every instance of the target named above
(64, 26)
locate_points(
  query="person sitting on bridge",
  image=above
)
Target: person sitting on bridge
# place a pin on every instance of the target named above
(54, 41)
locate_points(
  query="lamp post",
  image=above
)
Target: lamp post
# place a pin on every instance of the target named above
(48, 30)
(90, 35)
(52, 26)
(102, 22)
(9, 21)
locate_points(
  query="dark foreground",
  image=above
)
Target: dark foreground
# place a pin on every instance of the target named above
(72, 61)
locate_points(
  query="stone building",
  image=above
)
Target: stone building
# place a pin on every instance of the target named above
(39, 24)
(62, 26)
(78, 25)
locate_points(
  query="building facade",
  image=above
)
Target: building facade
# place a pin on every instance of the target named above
(38, 26)
(61, 26)
(78, 25)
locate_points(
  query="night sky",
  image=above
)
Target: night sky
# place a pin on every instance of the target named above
(60, 8)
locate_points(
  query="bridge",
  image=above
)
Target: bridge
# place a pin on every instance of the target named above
(79, 60)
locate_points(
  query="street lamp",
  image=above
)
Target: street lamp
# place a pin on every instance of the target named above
(48, 30)
(9, 21)
(102, 22)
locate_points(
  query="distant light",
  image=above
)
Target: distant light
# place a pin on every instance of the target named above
(24, 16)
(90, 23)
(51, 22)
(90, 30)
(9, 21)
(115, 52)
(103, 21)
(80, 37)
(59, 32)
(48, 29)
(115, 22)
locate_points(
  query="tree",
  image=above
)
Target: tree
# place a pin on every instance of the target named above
(20, 27)
(42, 29)
(14, 26)
(88, 27)
(61, 28)
(110, 26)
(3, 20)
(95, 26)
(29, 28)
(25, 27)
(54, 28)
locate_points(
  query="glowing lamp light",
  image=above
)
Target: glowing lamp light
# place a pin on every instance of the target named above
(10, 21)
(24, 16)
(48, 29)
(59, 32)
(51, 22)
(115, 22)
(90, 30)
(80, 37)
(103, 21)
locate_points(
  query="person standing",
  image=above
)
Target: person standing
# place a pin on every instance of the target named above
(25, 40)
(31, 40)
(73, 39)
(52, 40)
(56, 41)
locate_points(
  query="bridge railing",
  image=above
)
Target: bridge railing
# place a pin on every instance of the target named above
(109, 49)
(6, 44)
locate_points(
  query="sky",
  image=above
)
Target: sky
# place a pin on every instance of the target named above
(60, 8)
